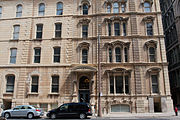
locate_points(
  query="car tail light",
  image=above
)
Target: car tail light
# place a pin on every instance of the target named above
(89, 110)
(38, 110)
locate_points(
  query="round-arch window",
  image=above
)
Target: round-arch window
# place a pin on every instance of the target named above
(84, 83)
(85, 9)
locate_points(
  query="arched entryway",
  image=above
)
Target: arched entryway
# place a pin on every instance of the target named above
(84, 91)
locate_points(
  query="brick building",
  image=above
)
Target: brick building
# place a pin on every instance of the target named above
(48, 54)
(171, 23)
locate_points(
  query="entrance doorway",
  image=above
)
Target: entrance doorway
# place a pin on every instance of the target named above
(84, 92)
(7, 104)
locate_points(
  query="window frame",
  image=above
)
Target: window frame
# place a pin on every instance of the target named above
(54, 84)
(58, 31)
(123, 7)
(147, 9)
(84, 58)
(150, 55)
(118, 55)
(13, 57)
(0, 12)
(117, 30)
(85, 31)
(155, 84)
(39, 31)
(19, 8)
(16, 33)
(85, 11)
(108, 9)
(41, 12)
(35, 84)
(57, 55)
(9, 83)
(59, 10)
(115, 8)
(37, 56)
(149, 30)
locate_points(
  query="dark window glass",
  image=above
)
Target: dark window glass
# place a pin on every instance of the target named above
(13, 55)
(118, 54)
(119, 84)
(16, 32)
(152, 54)
(126, 84)
(115, 7)
(147, 7)
(109, 29)
(58, 30)
(37, 55)
(126, 54)
(85, 9)
(41, 9)
(57, 51)
(154, 79)
(110, 55)
(55, 84)
(112, 84)
(84, 56)
(85, 31)
(149, 28)
(39, 31)
(34, 84)
(59, 9)
(19, 11)
(0, 11)
(117, 29)
(10, 83)
(124, 29)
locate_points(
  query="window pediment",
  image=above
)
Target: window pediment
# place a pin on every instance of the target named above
(150, 1)
(88, 2)
(154, 69)
(84, 68)
(151, 43)
(115, 70)
(84, 21)
(84, 45)
(148, 19)
(115, 43)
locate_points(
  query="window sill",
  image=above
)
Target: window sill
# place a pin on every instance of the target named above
(57, 38)
(37, 39)
(33, 93)
(8, 93)
(53, 93)
(15, 40)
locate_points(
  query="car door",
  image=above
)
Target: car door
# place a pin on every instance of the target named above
(72, 108)
(16, 112)
(63, 111)
(23, 111)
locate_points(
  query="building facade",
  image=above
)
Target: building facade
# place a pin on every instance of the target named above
(48, 54)
(171, 23)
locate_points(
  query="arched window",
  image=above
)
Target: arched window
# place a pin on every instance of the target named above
(110, 54)
(85, 9)
(10, 83)
(108, 8)
(19, 11)
(41, 9)
(126, 54)
(115, 7)
(118, 54)
(59, 9)
(152, 54)
(123, 7)
(84, 56)
(147, 7)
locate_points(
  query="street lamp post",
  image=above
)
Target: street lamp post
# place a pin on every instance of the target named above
(99, 76)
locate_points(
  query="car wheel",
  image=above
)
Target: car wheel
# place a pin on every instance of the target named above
(53, 116)
(30, 115)
(82, 116)
(7, 115)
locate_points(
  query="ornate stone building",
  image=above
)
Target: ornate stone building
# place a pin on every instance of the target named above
(171, 23)
(48, 54)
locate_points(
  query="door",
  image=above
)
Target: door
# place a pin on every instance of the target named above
(84, 96)
(63, 111)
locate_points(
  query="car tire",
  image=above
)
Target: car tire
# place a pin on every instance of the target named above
(82, 116)
(7, 115)
(30, 115)
(53, 116)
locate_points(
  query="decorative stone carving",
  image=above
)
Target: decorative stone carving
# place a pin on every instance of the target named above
(148, 19)
(84, 21)
(151, 42)
(116, 18)
(154, 69)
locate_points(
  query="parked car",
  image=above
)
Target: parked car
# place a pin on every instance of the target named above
(71, 110)
(23, 111)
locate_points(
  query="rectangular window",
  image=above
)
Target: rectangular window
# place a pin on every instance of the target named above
(126, 84)
(58, 30)
(85, 31)
(117, 29)
(110, 55)
(10, 83)
(57, 51)
(154, 79)
(55, 84)
(123, 8)
(39, 31)
(34, 84)
(13, 55)
(109, 29)
(16, 32)
(119, 84)
(111, 84)
(0, 11)
(19, 11)
(149, 28)
(124, 29)
(37, 55)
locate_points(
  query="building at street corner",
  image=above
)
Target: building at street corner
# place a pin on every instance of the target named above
(171, 23)
(48, 54)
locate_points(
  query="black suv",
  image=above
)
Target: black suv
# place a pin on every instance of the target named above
(71, 110)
